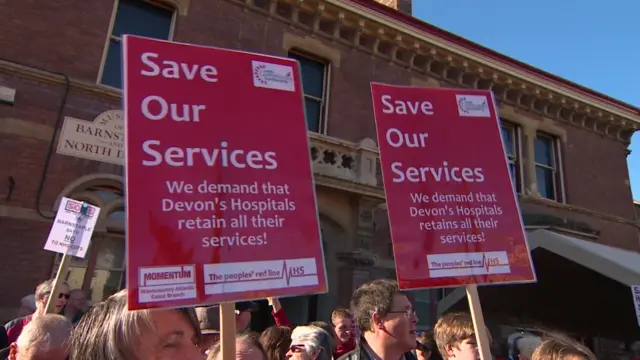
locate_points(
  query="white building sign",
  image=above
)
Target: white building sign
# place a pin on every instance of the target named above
(72, 228)
(635, 291)
(101, 139)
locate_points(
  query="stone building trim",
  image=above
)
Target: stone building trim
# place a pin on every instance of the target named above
(365, 29)
(308, 44)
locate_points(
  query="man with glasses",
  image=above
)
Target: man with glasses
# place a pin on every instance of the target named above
(76, 306)
(386, 320)
(14, 327)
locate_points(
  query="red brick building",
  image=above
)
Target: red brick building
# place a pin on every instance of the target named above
(61, 135)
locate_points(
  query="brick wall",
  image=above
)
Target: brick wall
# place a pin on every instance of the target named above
(595, 168)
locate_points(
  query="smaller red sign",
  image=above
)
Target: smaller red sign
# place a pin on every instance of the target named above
(220, 196)
(453, 213)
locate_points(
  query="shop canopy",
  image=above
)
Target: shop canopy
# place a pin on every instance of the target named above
(583, 287)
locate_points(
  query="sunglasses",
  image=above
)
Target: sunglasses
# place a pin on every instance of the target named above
(296, 348)
(66, 296)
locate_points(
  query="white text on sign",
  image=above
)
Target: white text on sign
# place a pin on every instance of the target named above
(405, 107)
(443, 173)
(399, 139)
(157, 108)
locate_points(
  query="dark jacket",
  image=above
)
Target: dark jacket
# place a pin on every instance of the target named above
(14, 327)
(4, 344)
(4, 339)
(359, 353)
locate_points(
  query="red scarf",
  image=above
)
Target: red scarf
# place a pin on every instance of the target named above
(344, 348)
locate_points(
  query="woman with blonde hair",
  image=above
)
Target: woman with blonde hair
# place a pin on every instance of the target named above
(110, 332)
(561, 347)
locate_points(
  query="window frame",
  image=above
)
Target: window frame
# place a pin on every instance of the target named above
(556, 169)
(424, 297)
(516, 131)
(326, 83)
(91, 262)
(110, 36)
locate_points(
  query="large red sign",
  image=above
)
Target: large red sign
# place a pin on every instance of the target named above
(220, 196)
(453, 214)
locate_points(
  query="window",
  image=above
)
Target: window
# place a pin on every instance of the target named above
(423, 306)
(315, 75)
(108, 268)
(134, 17)
(511, 139)
(547, 170)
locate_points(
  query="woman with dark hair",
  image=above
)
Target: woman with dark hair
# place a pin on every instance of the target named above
(276, 341)
(426, 348)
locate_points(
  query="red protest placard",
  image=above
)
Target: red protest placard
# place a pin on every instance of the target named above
(220, 196)
(452, 210)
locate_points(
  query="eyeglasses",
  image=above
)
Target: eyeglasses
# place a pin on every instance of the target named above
(296, 348)
(408, 313)
(61, 295)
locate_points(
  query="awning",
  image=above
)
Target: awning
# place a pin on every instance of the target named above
(558, 259)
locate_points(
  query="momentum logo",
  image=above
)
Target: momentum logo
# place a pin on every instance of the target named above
(167, 275)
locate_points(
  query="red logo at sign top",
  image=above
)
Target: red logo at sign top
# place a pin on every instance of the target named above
(75, 206)
(453, 213)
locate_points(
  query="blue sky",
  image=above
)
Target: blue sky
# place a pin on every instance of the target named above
(593, 43)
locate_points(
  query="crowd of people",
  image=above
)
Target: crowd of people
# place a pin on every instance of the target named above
(380, 325)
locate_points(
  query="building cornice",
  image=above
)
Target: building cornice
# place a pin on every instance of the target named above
(577, 209)
(351, 24)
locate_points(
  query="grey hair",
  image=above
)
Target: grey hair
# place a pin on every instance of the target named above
(45, 288)
(527, 345)
(250, 339)
(29, 301)
(111, 332)
(45, 333)
(314, 339)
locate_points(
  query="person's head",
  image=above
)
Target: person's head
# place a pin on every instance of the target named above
(524, 344)
(243, 314)
(560, 347)
(329, 329)
(77, 300)
(27, 305)
(426, 345)
(310, 343)
(342, 322)
(456, 338)
(44, 290)
(248, 347)
(385, 315)
(109, 331)
(45, 338)
(209, 321)
(276, 341)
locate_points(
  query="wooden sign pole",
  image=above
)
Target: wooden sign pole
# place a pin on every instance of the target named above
(228, 331)
(484, 346)
(58, 283)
